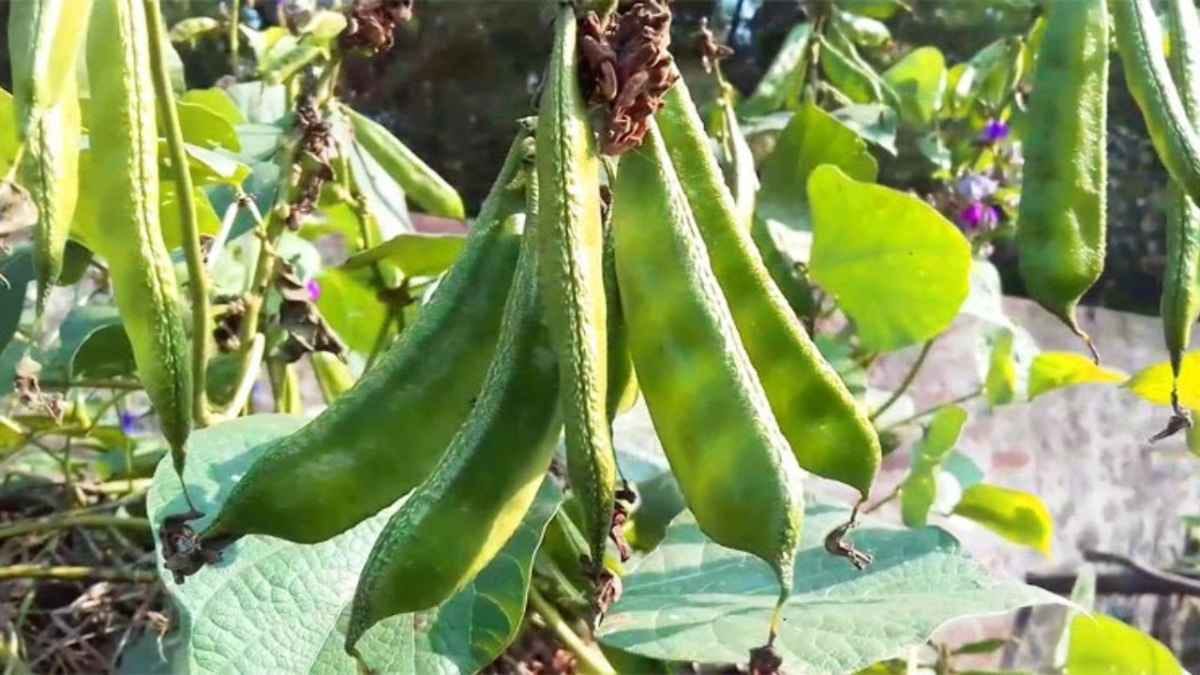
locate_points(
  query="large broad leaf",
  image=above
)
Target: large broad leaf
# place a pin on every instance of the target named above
(1153, 383)
(206, 127)
(919, 79)
(92, 343)
(16, 273)
(1055, 370)
(217, 101)
(415, 255)
(274, 606)
(895, 264)
(1017, 516)
(812, 137)
(784, 78)
(1102, 645)
(692, 600)
(918, 492)
(350, 302)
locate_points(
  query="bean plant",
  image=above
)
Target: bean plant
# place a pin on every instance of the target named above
(725, 267)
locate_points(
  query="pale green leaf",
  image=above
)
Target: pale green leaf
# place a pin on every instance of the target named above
(1102, 645)
(863, 30)
(692, 600)
(1055, 370)
(919, 79)
(289, 601)
(785, 76)
(217, 101)
(874, 122)
(16, 273)
(918, 492)
(1017, 516)
(352, 305)
(206, 128)
(414, 254)
(895, 264)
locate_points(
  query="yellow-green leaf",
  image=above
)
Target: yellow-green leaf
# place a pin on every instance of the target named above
(1017, 516)
(919, 490)
(919, 79)
(1102, 645)
(1001, 383)
(1154, 382)
(1055, 370)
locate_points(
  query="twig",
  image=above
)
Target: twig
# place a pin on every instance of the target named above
(72, 519)
(58, 385)
(591, 661)
(932, 409)
(887, 498)
(907, 382)
(1114, 584)
(77, 573)
(1183, 584)
(235, 19)
(197, 275)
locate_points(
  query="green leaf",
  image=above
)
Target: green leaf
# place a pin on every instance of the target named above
(874, 122)
(291, 601)
(863, 30)
(919, 79)
(194, 28)
(92, 343)
(692, 600)
(206, 127)
(351, 304)
(999, 67)
(16, 273)
(876, 9)
(8, 131)
(812, 137)
(848, 72)
(416, 255)
(1153, 383)
(10, 357)
(981, 647)
(1000, 384)
(259, 102)
(960, 82)
(1102, 645)
(208, 166)
(171, 219)
(784, 78)
(919, 489)
(1055, 370)
(895, 264)
(217, 101)
(1017, 516)
(384, 196)
(963, 469)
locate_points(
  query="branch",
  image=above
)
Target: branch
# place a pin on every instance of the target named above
(906, 383)
(932, 409)
(73, 519)
(591, 661)
(77, 573)
(1184, 584)
(1113, 584)
(197, 276)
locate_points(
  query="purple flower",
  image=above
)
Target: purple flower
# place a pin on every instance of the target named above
(129, 423)
(976, 187)
(314, 289)
(994, 132)
(978, 216)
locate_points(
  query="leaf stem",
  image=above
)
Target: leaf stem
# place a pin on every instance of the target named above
(591, 661)
(129, 385)
(77, 573)
(235, 19)
(197, 275)
(907, 382)
(932, 409)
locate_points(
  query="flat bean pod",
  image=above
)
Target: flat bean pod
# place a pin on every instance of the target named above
(382, 437)
(708, 406)
(125, 163)
(1061, 224)
(570, 271)
(485, 482)
(827, 429)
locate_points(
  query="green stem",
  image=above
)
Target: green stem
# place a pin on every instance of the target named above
(63, 521)
(932, 409)
(197, 275)
(129, 385)
(591, 661)
(235, 13)
(906, 383)
(76, 573)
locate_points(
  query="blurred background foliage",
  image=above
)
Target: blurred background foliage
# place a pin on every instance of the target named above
(462, 70)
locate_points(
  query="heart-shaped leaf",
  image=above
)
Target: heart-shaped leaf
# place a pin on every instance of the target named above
(692, 600)
(895, 264)
(274, 606)
(919, 79)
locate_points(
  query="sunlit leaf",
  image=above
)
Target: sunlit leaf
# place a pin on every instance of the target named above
(1001, 383)
(875, 122)
(1153, 383)
(218, 101)
(895, 264)
(919, 79)
(919, 490)
(1017, 516)
(783, 78)
(412, 253)
(1055, 370)
(1102, 645)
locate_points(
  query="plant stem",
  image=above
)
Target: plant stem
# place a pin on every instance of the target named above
(76, 573)
(197, 275)
(130, 385)
(591, 661)
(932, 409)
(887, 498)
(70, 519)
(235, 19)
(907, 382)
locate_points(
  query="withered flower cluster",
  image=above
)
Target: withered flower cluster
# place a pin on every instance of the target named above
(626, 67)
(371, 24)
(307, 331)
(316, 151)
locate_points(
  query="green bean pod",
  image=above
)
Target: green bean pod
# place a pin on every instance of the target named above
(827, 429)
(1140, 44)
(333, 375)
(708, 406)
(44, 41)
(622, 383)
(421, 183)
(570, 272)
(456, 521)
(1181, 286)
(383, 437)
(1061, 224)
(125, 163)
